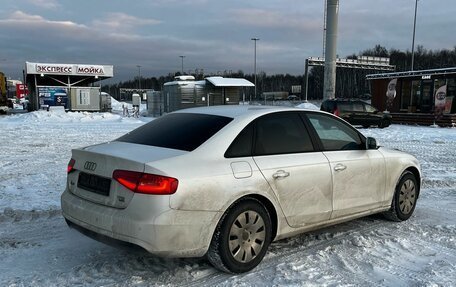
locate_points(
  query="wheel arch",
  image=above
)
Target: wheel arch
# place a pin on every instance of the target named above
(219, 255)
(267, 203)
(417, 175)
(394, 213)
(271, 209)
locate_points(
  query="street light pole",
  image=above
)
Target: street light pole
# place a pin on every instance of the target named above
(413, 40)
(182, 66)
(139, 76)
(254, 66)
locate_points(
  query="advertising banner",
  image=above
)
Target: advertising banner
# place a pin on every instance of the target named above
(21, 91)
(69, 69)
(440, 98)
(50, 96)
(391, 93)
(295, 89)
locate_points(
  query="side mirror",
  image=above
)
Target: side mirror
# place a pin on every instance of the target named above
(371, 143)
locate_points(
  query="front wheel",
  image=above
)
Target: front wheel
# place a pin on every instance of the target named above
(241, 238)
(404, 199)
(384, 123)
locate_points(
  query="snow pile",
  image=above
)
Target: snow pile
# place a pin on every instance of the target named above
(60, 116)
(308, 106)
(117, 107)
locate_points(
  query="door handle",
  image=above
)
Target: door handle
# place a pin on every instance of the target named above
(280, 174)
(339, 167)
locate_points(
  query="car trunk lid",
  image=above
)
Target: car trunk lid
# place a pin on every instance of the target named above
(94, 166)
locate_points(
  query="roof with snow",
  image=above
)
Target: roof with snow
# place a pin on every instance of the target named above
(229, 82)
(216, 81)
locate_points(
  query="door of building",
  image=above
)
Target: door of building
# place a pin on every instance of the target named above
(427, 88)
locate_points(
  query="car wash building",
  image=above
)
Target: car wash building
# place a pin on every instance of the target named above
(417, 97)
(76, 87)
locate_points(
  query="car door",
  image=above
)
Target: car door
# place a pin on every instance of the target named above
(358, 116)
(358, 175)
(298, 175)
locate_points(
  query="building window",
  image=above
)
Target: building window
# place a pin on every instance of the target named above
(451, 87)
(84, 97)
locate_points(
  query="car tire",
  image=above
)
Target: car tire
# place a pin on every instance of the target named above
(366, 126)
(241, 238)
(404, 198)
(383, 124)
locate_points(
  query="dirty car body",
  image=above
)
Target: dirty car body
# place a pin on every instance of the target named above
(226, 181)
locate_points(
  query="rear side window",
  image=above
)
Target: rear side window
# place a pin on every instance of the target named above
(370, 109)
(345, 107)
(242, 145)
(357, 107)
(181, 131)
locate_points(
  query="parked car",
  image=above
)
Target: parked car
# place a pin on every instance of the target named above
(293, 98)
(357, 112)
(226, 181)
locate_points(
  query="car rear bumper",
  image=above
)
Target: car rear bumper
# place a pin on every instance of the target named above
(146, 222)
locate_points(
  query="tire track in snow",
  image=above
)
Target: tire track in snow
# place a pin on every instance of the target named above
(409, 262)
(411, 256)
(293, 251)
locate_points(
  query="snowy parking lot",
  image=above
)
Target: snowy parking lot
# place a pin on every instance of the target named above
(38, 249)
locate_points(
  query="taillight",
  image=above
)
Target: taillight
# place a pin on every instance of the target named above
(145, 182)
(336, 112)
(129, 179)
(70, 165)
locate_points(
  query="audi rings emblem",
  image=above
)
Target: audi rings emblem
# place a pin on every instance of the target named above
(90, 165)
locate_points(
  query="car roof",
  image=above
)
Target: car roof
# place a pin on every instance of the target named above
(237, 111)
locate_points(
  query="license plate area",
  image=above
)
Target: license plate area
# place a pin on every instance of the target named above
(94, 183)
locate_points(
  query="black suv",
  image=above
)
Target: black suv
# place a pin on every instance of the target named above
(356, 112)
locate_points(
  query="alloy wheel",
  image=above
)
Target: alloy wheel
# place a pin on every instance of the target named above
(247, 236)
(407, 196)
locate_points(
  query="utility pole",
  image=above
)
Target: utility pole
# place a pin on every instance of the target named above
(413, 39)
(254, 66)
(182, 65)
(139, 76)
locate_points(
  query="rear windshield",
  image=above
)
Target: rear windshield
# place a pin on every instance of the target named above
(177, 131)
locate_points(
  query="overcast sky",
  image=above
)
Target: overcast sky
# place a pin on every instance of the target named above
(213, 35)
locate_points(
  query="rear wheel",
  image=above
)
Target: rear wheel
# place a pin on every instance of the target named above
(404, 199)
(241, 238)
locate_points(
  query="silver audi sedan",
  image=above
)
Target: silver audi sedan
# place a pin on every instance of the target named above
(226, 181)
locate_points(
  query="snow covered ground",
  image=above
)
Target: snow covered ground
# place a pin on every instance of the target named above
(38, 249)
